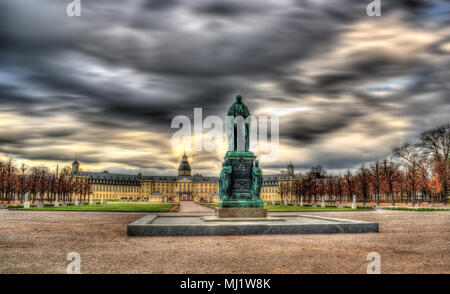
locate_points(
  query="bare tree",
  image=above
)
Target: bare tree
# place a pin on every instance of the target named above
(296, 189)
(43, 182)
(364, 182)
(318, 174)
(52, 185)
(35, 177)
(376, 179)
(340, 187)
(390, 176)
(308, 186)
(424, 177)
(349, 184)
(22, 182)
(10, 173)
(436, 143)
(330, 186)
(2, 181)
(410, 158)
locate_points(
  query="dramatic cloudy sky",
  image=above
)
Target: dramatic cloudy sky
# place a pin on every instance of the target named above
(106, 85)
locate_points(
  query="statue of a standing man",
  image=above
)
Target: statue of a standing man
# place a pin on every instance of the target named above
(237, 131)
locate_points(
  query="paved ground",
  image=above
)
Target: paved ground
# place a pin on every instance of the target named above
(39, 241)
(189, 207)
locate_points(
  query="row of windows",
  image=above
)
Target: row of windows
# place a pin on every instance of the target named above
(269, 183)
(172, 188)
(269, 189)
(270, 197)
(157, 190)
(114, 182)
(202, 190)
(108, 188)
(184, 184)
(110, 196)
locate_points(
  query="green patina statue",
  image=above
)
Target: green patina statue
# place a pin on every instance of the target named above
(241, 178)
(238, 108)
(257, 181)
(225, 180)
(239, 130)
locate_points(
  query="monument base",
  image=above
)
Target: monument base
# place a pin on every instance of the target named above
(160, 225)
(241, 212)
(241, 203)
(213, 218)
(241, 192)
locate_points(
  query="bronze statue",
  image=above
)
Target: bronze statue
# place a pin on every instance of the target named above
(225, 180)
(241, 178)
(257, 180)
(239, 109)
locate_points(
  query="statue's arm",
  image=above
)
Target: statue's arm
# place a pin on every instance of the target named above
(247, 112)
(230, 111)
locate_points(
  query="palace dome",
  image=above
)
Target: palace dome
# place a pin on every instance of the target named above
(185, 168)
(75, 166)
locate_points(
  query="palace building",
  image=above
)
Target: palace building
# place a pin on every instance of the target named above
(198, 188)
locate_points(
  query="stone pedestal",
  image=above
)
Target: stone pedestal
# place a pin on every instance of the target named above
(159, 225)
(242, 192)
(240, 212)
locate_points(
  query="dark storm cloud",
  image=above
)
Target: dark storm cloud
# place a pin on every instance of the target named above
(159, 4)
(134, 65)
(309, 129)
(10, 97)
(226, 8)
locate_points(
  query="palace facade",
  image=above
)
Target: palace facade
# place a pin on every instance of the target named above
(198, 188)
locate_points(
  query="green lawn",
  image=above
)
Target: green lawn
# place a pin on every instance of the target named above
(280, 208)
(121, 206)
(417, 208)
(303, 208)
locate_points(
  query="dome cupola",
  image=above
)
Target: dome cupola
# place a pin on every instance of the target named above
(185, 167)
(75, 165)
(291, 170)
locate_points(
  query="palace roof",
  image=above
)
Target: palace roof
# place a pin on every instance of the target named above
(136, 178)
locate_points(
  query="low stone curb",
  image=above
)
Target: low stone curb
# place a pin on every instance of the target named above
(190, 226)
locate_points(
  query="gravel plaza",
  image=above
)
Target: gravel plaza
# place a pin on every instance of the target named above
(39, 241)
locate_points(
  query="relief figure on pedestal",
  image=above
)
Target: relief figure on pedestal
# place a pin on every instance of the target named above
(257, 180)
(225, 180)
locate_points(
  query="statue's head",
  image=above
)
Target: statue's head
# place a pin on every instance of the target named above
(256, 163)
(239, 99)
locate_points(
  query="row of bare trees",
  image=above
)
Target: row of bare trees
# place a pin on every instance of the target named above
(414, 173)
(40, 184)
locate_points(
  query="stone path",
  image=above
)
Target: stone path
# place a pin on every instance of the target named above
(191, 207)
